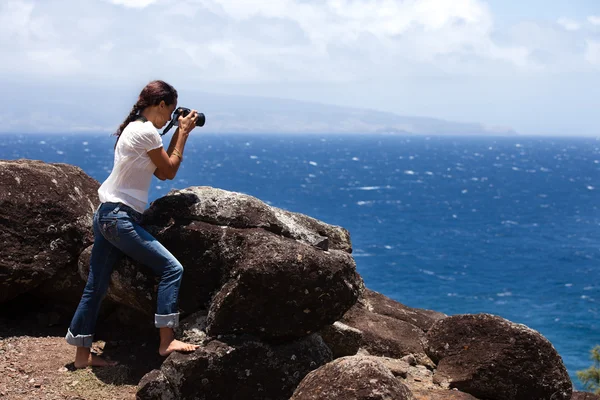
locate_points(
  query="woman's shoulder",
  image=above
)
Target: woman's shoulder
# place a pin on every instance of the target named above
(141, 128)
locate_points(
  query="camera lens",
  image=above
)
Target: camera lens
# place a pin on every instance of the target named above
(200, 120)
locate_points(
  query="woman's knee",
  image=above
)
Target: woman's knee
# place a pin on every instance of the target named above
(175, 269)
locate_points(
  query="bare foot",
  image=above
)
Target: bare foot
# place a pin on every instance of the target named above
(176, 345)
(94, 361)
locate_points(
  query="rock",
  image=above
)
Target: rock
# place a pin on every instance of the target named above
(155, 386)
(46, 213)
(237, 368)
(237, 271)
(130, 284)
(386, 336)
(343, 340)
(282, 288)
(193, 329)
(352, 378)
(383, 305)
(441, 395)
(492, 358)
(585, 396)
(237, 210)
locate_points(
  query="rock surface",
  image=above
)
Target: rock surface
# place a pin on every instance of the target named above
(237, 210)
(585, 396)
(46, 215)
(256, 271)
(441, 395)
(282, 288)
(492, 358)
(258, 282)
(343, 340)
(387, 336)
(236, 368)
(383, 305)
(352, 378)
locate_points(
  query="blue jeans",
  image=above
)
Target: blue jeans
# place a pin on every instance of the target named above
(116, 233)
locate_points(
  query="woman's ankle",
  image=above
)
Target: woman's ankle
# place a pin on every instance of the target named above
(167, 335)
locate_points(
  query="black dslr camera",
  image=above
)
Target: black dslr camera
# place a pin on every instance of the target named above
(182, 111)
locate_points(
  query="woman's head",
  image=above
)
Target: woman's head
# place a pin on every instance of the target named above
(157, 96)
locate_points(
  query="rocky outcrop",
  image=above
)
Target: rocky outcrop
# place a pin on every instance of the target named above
(282, 288)
(585, 396)
(258, 273)
(343, 340)
(492, 358)
(46, 215)
(258, 283)
(237, 210)
(352, 378)
(380, 326)
(442, 395)
(236, 367)
(383, 305)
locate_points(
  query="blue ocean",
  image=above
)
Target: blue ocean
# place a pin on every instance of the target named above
(502, 225)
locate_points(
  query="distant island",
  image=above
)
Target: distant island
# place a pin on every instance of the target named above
(83, 112)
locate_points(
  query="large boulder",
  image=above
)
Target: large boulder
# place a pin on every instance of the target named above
(131, 285)
(492, 358)
(381, 326)
(352, 378)
(46, 213)
(224, 208)
(383, 305)
(235, 368)
(259, 269)
(280, 288)
(383, 335)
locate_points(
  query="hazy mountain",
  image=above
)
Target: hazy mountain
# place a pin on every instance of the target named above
(72, 109)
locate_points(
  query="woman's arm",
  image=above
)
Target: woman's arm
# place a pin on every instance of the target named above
(168, 162)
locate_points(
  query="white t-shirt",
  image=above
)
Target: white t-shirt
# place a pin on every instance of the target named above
(129, 181)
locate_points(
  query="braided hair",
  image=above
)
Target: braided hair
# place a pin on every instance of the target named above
(152, 94)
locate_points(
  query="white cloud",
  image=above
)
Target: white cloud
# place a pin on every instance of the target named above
(594, 20)
(569, 24)
(133, 3)
(278, 41)
(297, 48)
(592, 53)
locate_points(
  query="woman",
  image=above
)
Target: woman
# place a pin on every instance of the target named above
(139, 154)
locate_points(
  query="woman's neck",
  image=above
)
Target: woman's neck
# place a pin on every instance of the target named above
(150, 114)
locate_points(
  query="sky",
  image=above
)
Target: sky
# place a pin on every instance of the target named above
(533, 65)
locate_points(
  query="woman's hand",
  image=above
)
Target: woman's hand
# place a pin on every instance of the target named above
(187, 123)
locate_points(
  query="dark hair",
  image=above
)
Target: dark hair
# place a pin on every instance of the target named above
(152, 94)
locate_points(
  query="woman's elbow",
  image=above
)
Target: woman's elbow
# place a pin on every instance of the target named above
(170, 175)
(161, 176)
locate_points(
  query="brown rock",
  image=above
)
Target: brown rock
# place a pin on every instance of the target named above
(383, 305)
(492, 358)
(352, 378)
(237, 272)
(585, 396)
(236, 368)
(237, 210)
(46, 215)
(281, 288)
(343, 340)
(155, 386)
(387, 336)
(442, 395)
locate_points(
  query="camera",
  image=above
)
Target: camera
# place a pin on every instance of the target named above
(183, 112)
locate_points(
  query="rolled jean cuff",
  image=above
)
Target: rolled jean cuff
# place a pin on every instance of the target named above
(79, 340)
(166, 321)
